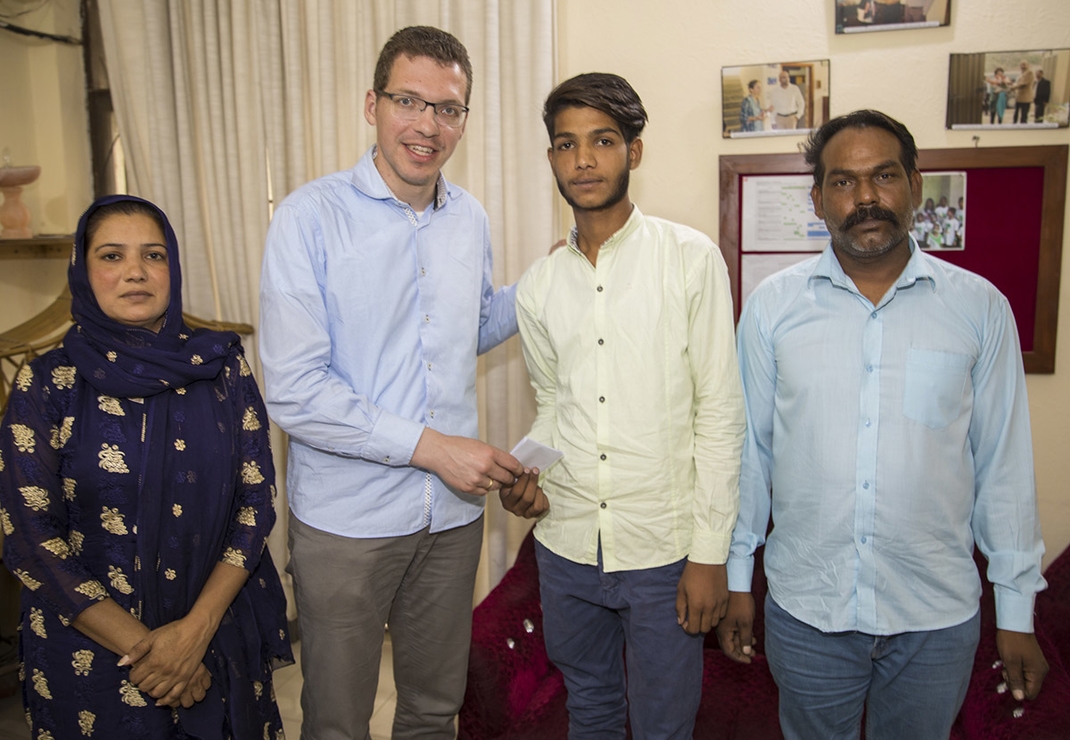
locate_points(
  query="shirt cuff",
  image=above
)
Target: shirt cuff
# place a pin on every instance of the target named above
(393, 440)
(740, 573)
(709, 547)
(1014, 611)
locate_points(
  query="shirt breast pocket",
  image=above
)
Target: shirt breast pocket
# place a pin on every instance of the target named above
(934, 386)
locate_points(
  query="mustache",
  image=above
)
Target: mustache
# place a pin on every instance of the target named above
(865, 213)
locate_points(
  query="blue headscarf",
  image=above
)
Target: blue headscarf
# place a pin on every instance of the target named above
(133, 362)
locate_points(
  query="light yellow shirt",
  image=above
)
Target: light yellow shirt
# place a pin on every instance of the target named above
(634, 367)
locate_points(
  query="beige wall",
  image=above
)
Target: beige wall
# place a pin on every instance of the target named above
(44, 122)
(672, 52)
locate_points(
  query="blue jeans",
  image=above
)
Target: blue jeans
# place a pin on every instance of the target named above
(911, 685)
(593, 621)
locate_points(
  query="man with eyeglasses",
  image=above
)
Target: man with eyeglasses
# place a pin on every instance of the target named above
(376, 298)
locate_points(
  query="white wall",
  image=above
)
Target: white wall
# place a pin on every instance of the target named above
(672, 52)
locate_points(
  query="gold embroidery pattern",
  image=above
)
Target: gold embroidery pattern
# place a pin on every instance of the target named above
(118, 580)
(249, 422)
(196, 360)
(40, 683)
(180, 391)
(83, 662)
(68, 488)
(250, 473)
(245, 371)
(180, 444)
(64, 621)
(76, 539)
(85, 722)
(112, 521)
(177, 510)
(110, 405)
(92, 589)
(1, 463)
(273, 494)
(37, 623)
(112, 459)
(44, 734)
(112, 357)
(5, 522)
(23, 438)
(258, 690)
(61, 434)
(247, 516)
(58, 547)
(27, 580)
(234, 557)
(35, 497)
(130, 695)
(63, 376)
(170, 574)
(24, 379)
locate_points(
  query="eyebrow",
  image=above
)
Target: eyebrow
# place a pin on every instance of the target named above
(123, 244)
(885, 165)
(596, 132)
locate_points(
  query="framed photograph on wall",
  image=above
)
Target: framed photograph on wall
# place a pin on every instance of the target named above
(862, 16)
(1009, 89)
(774, 99)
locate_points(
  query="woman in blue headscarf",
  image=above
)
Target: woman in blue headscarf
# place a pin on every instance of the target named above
(136, 487)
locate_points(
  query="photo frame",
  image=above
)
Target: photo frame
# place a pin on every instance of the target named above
(863, 16)
(774, 98)
(1015, 221)
(1009, 89)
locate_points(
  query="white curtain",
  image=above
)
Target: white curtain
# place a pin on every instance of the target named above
(225, 106)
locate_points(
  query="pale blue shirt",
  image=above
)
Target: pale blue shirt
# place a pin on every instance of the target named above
(371, 320)
(892, 437)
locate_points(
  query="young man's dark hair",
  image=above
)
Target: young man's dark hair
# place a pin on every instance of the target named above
(423, 41)
(608, 93)
(752, 84)
(815, 144)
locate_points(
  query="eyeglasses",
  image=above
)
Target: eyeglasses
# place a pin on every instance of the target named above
(409, 108)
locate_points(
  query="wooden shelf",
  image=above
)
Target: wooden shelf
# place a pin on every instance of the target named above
(39, 247)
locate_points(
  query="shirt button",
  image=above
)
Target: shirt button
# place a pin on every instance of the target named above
(869, 368)
(601, 399)
(602, 505)
(873, 315)
(432, 413)
(863, 539)
(429, 366)
(599, 288)
(602, 457)
(386, 459)
(601, 341)
(426, 317)
(866, 485)
(423, 271)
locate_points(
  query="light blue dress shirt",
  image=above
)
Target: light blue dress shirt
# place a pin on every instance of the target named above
(892, 437)
(371, 320)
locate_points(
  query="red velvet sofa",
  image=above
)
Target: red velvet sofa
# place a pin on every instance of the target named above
(514, 691)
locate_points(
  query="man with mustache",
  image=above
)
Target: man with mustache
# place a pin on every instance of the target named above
(627, 333)
(887, 433)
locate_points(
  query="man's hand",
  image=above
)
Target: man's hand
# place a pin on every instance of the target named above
(167, 660)
(467, 465)
(1024, 666)
(701, 597)
(735, 631)
(524, 498)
